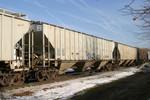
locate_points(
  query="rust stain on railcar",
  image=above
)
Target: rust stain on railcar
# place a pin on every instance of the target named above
(20, 24)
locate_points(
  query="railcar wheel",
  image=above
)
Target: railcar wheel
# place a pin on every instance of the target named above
(51, 74)
(48, 75)
(40, 76)
(2, 78)
(18, 79)
(6, 80)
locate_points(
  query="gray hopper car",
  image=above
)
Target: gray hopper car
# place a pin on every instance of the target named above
(41, 50)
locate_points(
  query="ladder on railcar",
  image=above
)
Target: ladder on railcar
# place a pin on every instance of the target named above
(46, 50)
(26, 53)
(29, 48)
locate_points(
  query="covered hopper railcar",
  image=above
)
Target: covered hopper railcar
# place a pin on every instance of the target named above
(12, 29)
(72, 49)
(41, 50)
(128, 55)
(148, 55)
(143, 55)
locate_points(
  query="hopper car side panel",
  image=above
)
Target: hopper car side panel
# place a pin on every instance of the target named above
(71, 45)
(6, 38)
(12, 30)
(84, 45)
(80, 46)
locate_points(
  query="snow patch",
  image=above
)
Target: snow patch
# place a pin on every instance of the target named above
(67, 89)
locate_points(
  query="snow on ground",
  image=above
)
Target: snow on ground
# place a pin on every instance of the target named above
(67, 89)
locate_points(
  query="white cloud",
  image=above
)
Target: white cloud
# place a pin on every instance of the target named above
(84, 19)
(35, 2)
(44, 8)
(39, 4)
(61, 1)
(80, 29)
(105, 21)
(76, 4)
(55, 18)
(109, 22)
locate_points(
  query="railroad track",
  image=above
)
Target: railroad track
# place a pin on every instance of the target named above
(57, 79)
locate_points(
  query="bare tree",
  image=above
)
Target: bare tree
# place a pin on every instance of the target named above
(143, 14)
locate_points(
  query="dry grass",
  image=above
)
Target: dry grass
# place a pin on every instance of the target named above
(135, 87)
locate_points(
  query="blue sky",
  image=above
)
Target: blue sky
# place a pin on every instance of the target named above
(96, 17)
